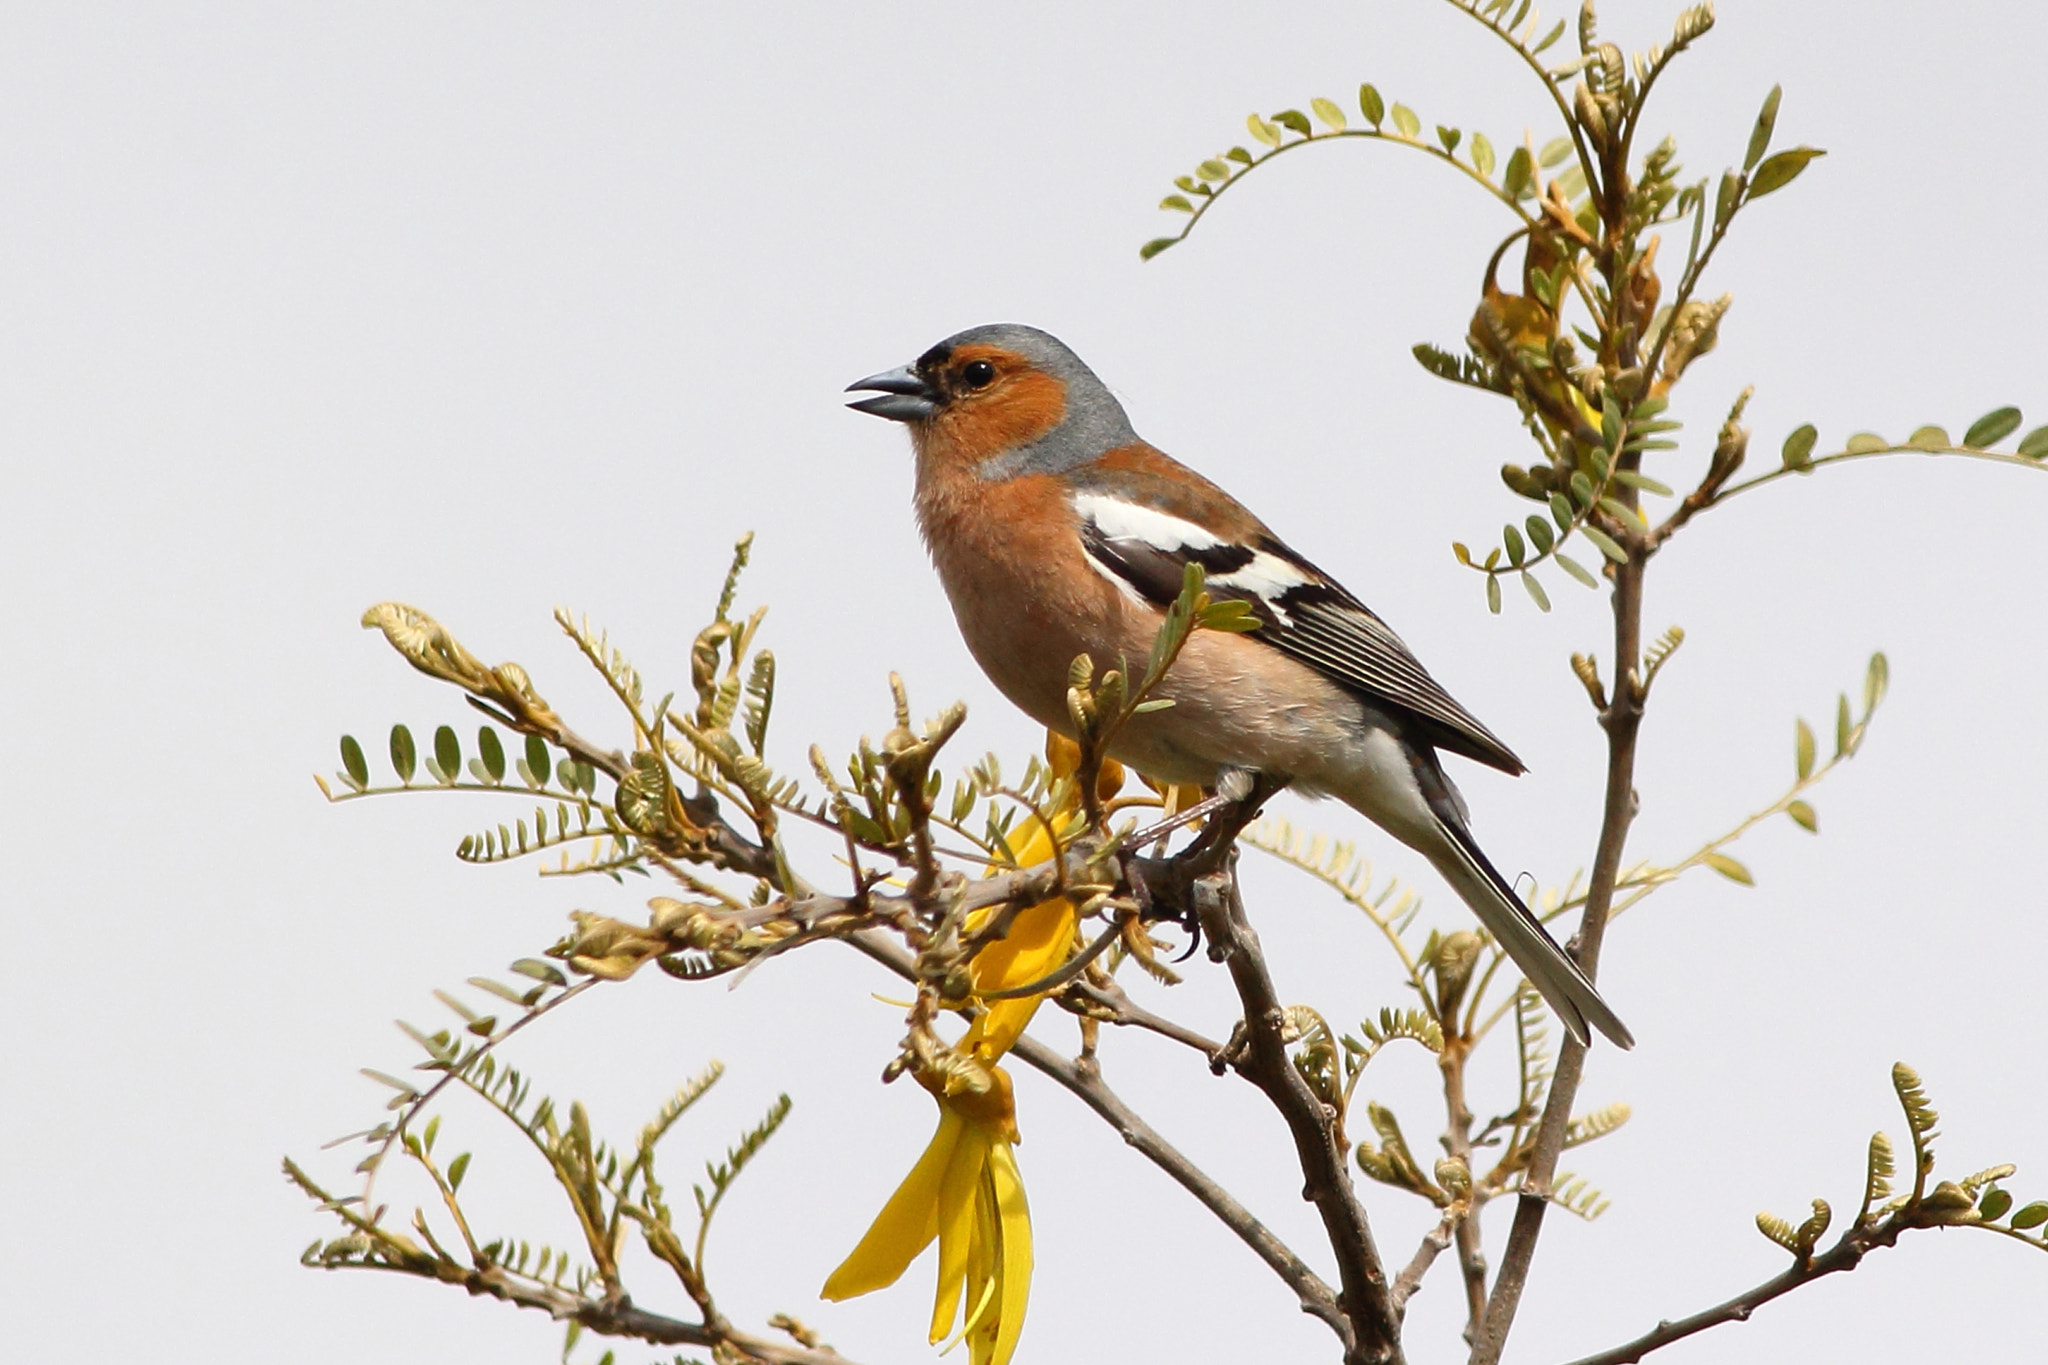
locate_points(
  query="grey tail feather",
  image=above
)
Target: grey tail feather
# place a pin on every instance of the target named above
(1549, 968)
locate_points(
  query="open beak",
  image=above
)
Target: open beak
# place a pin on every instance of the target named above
(904, 396)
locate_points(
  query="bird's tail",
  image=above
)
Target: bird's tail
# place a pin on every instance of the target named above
(1549, 969)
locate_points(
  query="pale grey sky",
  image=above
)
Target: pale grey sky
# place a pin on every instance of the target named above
(493, 307)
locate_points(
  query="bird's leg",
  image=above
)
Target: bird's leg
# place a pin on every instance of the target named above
(1164, 888)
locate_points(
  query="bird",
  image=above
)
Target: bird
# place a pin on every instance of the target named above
(1057, 531)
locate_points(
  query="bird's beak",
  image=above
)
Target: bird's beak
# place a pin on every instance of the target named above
(904, 395)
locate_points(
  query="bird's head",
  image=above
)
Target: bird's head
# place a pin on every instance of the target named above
(1001, 400)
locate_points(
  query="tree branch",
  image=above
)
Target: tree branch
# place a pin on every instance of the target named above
(1085, 1082)
(1622, 720)
(1375, 1338)
(1845, 1254)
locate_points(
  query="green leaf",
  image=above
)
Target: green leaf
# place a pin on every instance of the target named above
(1726, 198)
(1575, 569)
(1802, 750)
(1295, 121)
(1371, 105)
(1555, 151)
(1213, 170)
(1482, 155)
(457, 1169)
(1240, 156)
(2032, 1216)
(1760, 136)
(352, 761)
(447, 753)
(537, 759)
(1155, 246)
(1536, 593)
(1449, 137)
(540, 969)
(1845, 731)
(491, 752)
(1799, 447)
(1781, 170)
(1992, 428)
(1512, 538)
(1328, 112)
(1994, 1204)
(1729, 868)
(1877, 680)
(1260, 129)
(403, 756)
(1866, 443)
(1582, 489)
(1561, 511)
(1517, 179)
(1493, 593)
(1642, 481)
(1604, 543)
(1464, 554)
(1548, 39)
(1929, 438)
(1406, 122)
(1803, 816)
(1540, 535)
(1177, 202)
(2035, 446)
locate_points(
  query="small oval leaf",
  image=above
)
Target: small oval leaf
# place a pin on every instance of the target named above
(1576, 569)
(447, 753)
(1866, 443)
(491, 752)
(1155, 246)
(2032, 1216)
(403, 754)
(1493, 593)
(2035, 446)
(1406, 122)
(1328, 112)
(1536, 593)
(1781, 170)
(1799, 447)
(1371, 105)
(1802, 750)
(1729, 868)
(352, 761)
(1992, 428)
(1803, 816)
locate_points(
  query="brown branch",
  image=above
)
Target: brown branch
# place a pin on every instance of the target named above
(1375, 1335)
(1084, 1081)
(620, 1318)
(1434, 1243)
(1622, 720)
(1845, 1254)
(1458, 1142)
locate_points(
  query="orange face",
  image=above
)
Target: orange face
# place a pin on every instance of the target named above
(989, 400)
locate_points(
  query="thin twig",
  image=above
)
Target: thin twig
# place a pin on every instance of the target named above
(1375, 1338)
(1845, 1254)
(1622, 720)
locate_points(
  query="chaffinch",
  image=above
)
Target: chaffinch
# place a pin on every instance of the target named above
(1058, 532)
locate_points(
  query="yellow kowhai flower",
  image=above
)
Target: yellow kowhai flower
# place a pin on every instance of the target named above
(965, 1191)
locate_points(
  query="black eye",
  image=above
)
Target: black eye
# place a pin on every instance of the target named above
(977, 374)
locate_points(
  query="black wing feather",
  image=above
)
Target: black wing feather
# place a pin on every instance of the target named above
(1317, 622)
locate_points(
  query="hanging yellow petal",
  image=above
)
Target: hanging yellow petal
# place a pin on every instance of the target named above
(907, 1223)
(991, 1342)
(956, 1225)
